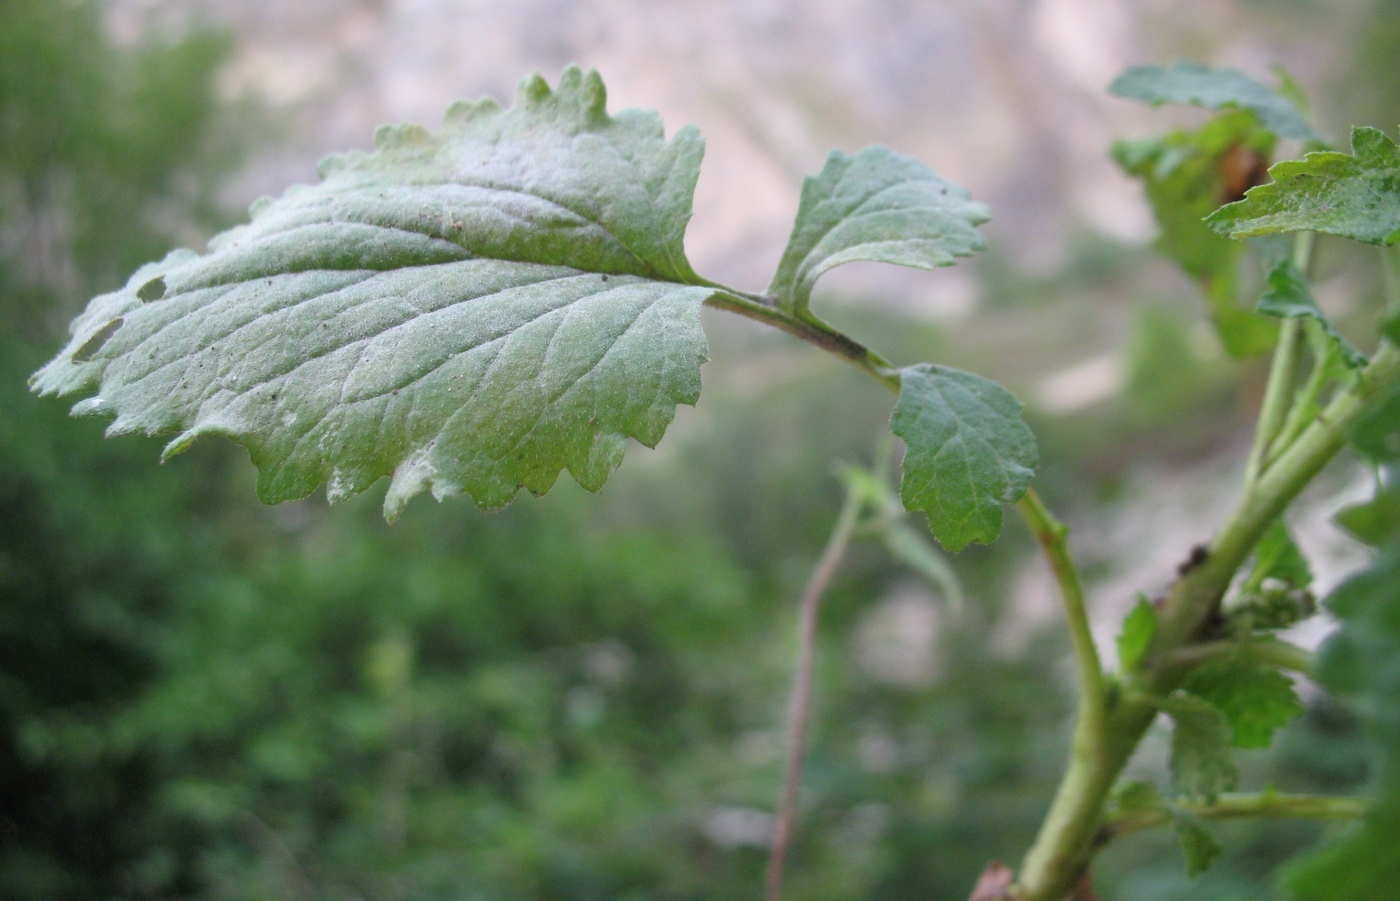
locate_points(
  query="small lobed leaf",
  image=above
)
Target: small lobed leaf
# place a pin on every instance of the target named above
(1198, 844)
(1277, 556)
(1215, 89)
(1136, 637)
(968, 451)
(1255, 699)
(1353, 196)
(1288, 296)
(468, 312)
(878, 206)
(1200, 756)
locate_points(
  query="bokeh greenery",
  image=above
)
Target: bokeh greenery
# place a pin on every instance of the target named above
(578, 698)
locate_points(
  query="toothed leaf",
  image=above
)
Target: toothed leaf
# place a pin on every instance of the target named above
(968, 451)
(877, 205)
(1356, 196)
(468, 312)
(1255, 699)
(1200, 761)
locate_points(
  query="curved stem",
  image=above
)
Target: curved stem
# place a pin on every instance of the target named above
(1236, 807)
(1074, 814)
(1052, 536)
(801, 709)
(1272, 652)
(809, 330)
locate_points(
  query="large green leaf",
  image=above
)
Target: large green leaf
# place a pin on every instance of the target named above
(469, 312)
(1216, 89)
(877, 205)
(969, 451)
(1356, 196)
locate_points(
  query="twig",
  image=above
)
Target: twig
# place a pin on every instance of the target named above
(800, 711)
(1236, 807)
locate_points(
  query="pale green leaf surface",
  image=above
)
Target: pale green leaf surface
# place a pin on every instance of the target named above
(879, 206)
(1255, 699)
(1200, 756)
(1138, 628)
(1356, 196)
(469, 312)
(1216, 89)
(968, 451)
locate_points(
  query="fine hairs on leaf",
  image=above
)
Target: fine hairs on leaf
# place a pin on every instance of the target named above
(476, 311)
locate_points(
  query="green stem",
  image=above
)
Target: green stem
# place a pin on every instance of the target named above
(1053, 538)
(1062, 851)
(1390, 278)
(801, 708)
(1074, 814)
(1270, 652)
(814, 332)
(1277, 394)
(1304, 407)
(1196, 595)
(1283, 372)
(1235, 807)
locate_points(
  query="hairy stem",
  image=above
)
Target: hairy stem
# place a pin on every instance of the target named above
(800, 711)
(1236, 807)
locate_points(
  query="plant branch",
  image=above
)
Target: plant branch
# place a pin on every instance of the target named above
(1074, 813)
(1278, 394)
(1235, 807)
(1052, 536)
(1271, 652)
(1065, 845)
(814, 332)
(800, 712)
(1304, 406)
(1196, 595)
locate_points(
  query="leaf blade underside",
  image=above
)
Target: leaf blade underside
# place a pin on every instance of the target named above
(471, 312)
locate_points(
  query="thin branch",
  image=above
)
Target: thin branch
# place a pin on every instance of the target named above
(1278, 395)
(1236, 807)
(815, 333)
(1052, 535)
(800, 712)
(1271, 652)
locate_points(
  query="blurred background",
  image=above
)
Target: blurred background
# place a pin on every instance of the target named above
(582, 697)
